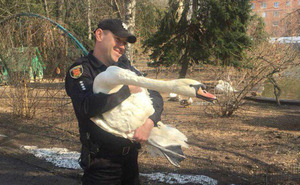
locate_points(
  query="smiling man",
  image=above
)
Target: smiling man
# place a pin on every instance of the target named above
(105, 158)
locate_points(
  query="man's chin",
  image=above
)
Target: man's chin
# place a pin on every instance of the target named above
(112, 62)
(116, 58)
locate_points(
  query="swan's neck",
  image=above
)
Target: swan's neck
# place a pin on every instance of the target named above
(172, 86)
(157, 85)
(114, 77)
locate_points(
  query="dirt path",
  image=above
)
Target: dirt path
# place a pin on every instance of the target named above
(259, 145)
(20, 168)
(15, 171)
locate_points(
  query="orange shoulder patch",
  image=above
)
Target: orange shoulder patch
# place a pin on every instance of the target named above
(76, 71)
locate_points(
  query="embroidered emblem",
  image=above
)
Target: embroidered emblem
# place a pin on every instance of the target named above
(76, 71)
(82, 85)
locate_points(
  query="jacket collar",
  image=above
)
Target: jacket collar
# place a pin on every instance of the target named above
(95, 62)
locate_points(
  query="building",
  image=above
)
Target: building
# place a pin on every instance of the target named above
(281, 17)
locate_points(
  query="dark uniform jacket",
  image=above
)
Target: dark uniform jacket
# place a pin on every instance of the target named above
(79, 86)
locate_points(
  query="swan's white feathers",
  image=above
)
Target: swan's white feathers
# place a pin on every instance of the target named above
(168, 135)
(130, 114)
(224, 87)
(110, 81)
(125, 118)
(102, 124)
(173, 95)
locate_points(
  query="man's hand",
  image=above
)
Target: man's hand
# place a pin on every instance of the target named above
(142, 133)
(134, 89)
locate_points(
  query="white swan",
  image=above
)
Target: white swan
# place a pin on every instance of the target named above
(187, 102)
(224, 87)
(132, 113)
(174, 97)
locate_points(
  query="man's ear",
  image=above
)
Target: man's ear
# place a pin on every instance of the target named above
(99, 34)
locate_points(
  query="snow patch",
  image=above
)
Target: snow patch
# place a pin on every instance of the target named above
(60, 157)
(174, 178)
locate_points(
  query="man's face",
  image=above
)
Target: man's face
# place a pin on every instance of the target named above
(113, 47)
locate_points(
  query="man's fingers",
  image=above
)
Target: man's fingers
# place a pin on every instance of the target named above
(139, 138)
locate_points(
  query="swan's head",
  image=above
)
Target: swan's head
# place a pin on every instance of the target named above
(193, 88)
(202, 93)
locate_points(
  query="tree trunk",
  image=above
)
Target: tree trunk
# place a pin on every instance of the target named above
(277, 92)
(195, 8)
(130, 7)
(46, 8)
(184, 64)
(277, 89)
(28, 5)
(89, 20)
(59, 10)
(184, 68)
(116, 8)
(185, 59)
(67, 10)
(178, 6)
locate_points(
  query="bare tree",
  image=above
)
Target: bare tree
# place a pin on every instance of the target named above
(89, 19)
(59, 10)
(179, 10)
(130, 7)
(46, 8)
(116, 8)
(265, 61)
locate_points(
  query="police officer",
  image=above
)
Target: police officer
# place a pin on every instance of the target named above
(105, 158)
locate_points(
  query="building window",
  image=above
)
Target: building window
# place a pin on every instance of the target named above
(288, 3)
(275, 23)
(276, 4)
(276, 13)
(253, 6)
(264, 14)
(264, 4)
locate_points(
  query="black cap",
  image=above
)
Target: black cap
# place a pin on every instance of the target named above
(118, 28)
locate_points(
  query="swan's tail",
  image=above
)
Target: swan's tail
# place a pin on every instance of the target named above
(167, 141)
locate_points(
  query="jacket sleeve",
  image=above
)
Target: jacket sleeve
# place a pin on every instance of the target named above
(158, 105)
(156, 98)
(85, 102)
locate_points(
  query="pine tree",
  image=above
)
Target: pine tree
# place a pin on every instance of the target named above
(195, 31)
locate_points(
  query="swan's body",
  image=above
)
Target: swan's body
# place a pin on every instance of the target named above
(224, 87)
(133, 112)
(174, 97)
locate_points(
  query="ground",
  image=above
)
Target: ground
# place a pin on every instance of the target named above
(257, 145)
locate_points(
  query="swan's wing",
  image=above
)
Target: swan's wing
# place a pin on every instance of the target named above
(167, 141)
(106, 127)
(166, 135)
(173, 153)
(131, 113)
(128, 116)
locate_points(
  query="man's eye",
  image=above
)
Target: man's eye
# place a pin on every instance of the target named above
(119, 40)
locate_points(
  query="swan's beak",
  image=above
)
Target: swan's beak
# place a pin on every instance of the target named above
(203, 94)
